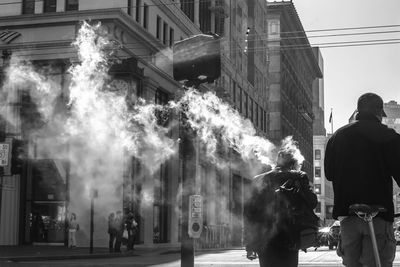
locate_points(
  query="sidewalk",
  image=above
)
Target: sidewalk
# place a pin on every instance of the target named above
(38, 253)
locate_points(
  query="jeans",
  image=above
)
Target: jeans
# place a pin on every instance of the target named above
(71, 238)
(355, 246)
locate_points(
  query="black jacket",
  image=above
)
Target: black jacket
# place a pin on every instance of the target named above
(360, 159)
(267, 220)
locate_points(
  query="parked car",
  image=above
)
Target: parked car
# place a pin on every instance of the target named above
(329, 236)
(396, 229)
(397, 236)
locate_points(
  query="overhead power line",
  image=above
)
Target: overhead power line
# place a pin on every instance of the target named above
(282, 48)
(138, 43)
(192, 1)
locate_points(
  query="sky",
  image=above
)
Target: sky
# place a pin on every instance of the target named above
(351, 71)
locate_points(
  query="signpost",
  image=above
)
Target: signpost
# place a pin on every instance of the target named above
(4, 154)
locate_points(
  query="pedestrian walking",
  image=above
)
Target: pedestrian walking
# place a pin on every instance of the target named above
(119, 225)
(270, 231)
(361, 159)
(131, 227)
(111, 231)
(73, 226)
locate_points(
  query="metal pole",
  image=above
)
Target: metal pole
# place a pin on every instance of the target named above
(91, 223)
(374, 244)
(188, 157)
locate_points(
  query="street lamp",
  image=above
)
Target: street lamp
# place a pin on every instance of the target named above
(196, 60)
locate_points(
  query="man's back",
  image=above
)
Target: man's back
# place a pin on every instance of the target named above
(361, 159)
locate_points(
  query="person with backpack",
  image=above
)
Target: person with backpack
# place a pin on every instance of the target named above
(279, 210)
(362, 159)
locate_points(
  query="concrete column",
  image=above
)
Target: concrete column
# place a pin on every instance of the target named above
(212, 17)
(196, 12)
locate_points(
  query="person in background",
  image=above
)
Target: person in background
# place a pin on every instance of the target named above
(268, 231)
(131, 227)
(362, 159)
(111, 231)
(73, 226)
(119, 226)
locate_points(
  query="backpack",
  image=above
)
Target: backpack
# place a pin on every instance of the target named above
(302, 220)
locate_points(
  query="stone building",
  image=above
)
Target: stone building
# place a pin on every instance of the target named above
(322, 187)
(293, 69)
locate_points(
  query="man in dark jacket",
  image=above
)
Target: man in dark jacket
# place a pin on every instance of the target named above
(361, 159)
(269, 228)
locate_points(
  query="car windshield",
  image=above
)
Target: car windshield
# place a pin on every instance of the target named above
(335, 223)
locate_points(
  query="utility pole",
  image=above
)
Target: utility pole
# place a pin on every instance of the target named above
(6, 55)
(188, 161)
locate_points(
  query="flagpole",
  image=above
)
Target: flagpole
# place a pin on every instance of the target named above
(331, 120)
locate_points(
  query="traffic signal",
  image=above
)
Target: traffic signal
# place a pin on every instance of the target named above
(197, 59)
(17, 156)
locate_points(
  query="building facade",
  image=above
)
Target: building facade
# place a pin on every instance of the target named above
(392, 110)
(293, 70)
(35, 203)
(322, 187)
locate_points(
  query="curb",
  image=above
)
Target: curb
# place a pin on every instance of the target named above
(67, 257)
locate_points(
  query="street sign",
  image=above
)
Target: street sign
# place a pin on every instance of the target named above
(4, 153)
(195, 225)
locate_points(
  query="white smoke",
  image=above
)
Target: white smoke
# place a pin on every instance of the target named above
(290, 147)
(216, 121)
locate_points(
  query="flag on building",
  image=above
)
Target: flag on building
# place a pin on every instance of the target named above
(330, 117)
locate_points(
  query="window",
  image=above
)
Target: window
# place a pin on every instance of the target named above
(171, 37)
(317, 154)
(234, 92)
(165, 33)
(318, 208)
(28, 6)
(240, 99)
(145, 16)
(161, 97)
(158, 29)
(257, 115)
(246, 105)
(317, 172)
(49, 6)
(71, 5)
(138, 4)
(265, 121)
(252, 110)
(129, 11)
(317, 189)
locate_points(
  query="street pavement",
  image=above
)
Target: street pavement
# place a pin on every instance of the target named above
(161, 258)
